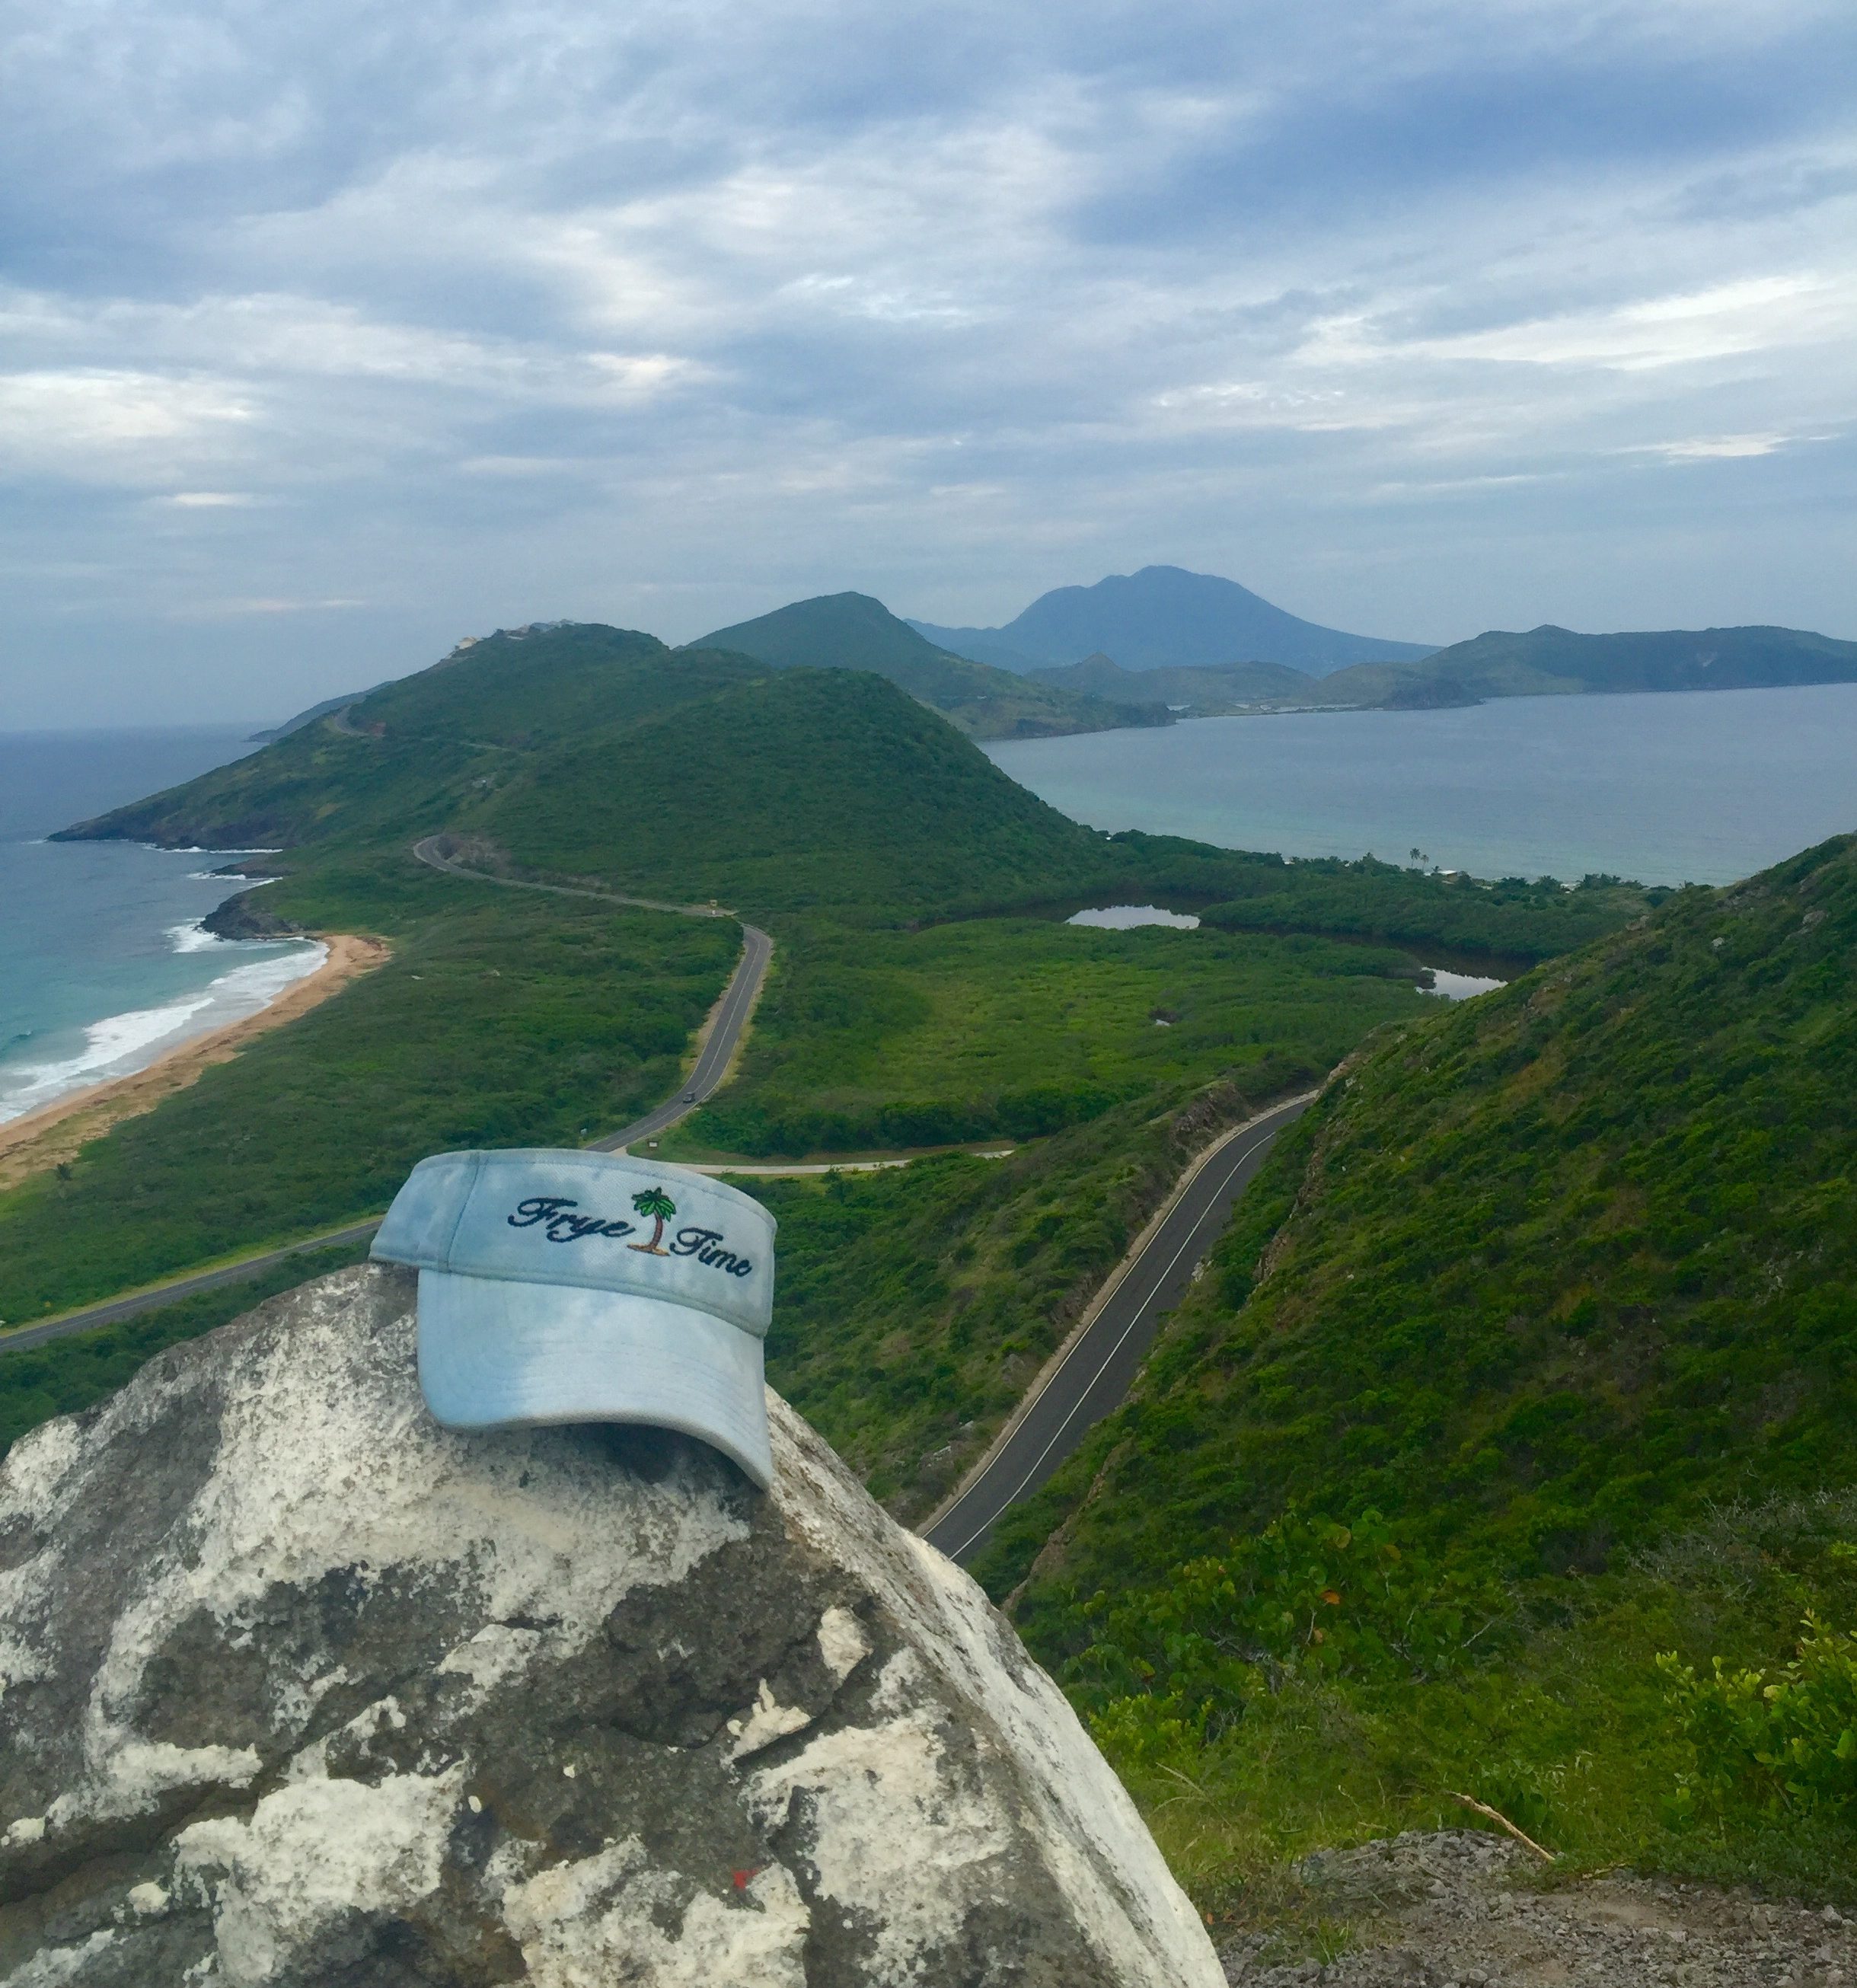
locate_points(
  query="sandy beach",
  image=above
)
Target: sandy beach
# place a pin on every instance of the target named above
(42, 1138)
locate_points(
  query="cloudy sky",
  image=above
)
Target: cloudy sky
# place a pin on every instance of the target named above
(332, 332)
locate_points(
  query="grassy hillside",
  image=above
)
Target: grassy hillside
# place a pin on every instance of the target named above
(416, 754)
(803, 789)
(501, 1019)
(1550, 661)
(1012, 1028)
(851, 631)
(1545, 1289)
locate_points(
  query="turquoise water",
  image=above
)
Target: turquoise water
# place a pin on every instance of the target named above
(1704, 788)
(103, 966)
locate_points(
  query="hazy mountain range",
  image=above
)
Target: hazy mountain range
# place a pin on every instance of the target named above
(1161, 644)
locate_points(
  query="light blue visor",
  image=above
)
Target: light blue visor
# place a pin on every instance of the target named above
(564, 1286)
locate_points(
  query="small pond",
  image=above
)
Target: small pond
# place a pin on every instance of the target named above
(1461, 986)
(1125, 917)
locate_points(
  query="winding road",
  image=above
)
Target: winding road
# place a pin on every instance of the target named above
(718, 1050)
(1095, 1371)
(1082, 1385)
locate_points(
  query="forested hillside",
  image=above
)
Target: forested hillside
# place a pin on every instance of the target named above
(1544, 1291)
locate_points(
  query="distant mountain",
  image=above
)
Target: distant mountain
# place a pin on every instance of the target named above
(1550, 661)
(1200, 693)
(1165, 616)
(852, 631)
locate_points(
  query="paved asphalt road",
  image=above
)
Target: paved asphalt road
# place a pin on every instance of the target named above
(738, 1003)
(1098, 1370)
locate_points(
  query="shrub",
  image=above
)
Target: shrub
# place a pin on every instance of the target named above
(1769, 1746)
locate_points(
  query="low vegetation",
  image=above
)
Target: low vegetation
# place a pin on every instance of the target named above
(1541, 1284)
(1513, 919)
(1587, 1711)
(1015, 1028)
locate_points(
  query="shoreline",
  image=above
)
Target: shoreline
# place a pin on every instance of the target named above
(54, 1133)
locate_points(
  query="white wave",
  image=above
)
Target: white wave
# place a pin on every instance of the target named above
(121, 1044)
(193, 938)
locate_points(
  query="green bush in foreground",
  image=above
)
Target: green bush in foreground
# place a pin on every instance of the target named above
(1588, 1715)
(1789, 1744)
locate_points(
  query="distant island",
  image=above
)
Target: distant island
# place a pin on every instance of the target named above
(1165, 617)
(1207, 647)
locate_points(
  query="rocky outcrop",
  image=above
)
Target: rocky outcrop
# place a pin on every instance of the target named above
(245, 916)
(297, 1688)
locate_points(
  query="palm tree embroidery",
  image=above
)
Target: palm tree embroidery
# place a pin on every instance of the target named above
(659, 1206)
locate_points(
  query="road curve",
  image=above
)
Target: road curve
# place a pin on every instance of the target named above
(732, 1014)
(1097, 1371)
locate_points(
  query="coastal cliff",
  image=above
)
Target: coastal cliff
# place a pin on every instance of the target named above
(296, 1687)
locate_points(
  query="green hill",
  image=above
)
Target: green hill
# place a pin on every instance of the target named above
(687, 772)
(411, 755)
(1551, 661)
(851, 631)
(1532, 1354)
(803, 788)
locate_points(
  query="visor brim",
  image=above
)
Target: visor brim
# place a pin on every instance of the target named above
(495, 1354)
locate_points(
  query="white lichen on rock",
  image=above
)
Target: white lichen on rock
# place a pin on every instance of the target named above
(301, 1688)
(309, 1853)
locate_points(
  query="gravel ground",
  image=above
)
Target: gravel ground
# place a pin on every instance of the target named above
(1457, 1909)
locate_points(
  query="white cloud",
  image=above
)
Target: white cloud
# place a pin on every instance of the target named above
(678, 309)
(1703, 448)
(1756, 314)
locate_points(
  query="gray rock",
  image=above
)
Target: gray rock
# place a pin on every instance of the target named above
(297, 1688)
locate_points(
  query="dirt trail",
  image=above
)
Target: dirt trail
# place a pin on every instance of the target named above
(1466, 1909)
(43, 1138)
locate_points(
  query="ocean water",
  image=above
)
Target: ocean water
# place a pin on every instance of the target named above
(103, 966)
(1700, 788)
